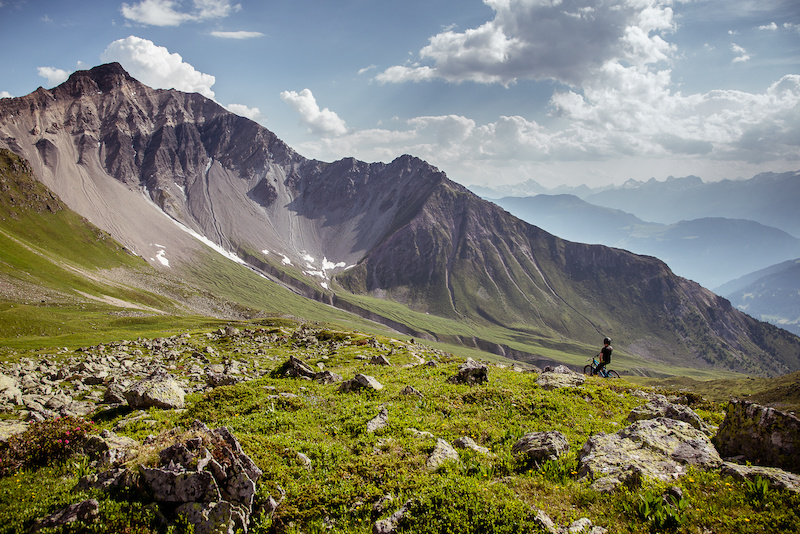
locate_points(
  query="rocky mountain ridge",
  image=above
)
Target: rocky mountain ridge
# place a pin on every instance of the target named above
(159, 169)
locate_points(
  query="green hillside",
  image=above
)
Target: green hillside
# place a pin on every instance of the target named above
(311, 442)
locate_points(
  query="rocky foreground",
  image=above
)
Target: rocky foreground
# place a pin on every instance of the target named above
(205, 476)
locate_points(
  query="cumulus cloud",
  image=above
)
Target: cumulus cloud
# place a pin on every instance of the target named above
(319, 121)
(5, 94)
(741, 53)
(626, 114)
(526, 40)
(237, 35)
(155, 66)
(175, 13)
(771, 27)
(244, 111)
(53, 76)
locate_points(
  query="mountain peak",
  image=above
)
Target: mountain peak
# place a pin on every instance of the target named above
(101, 78)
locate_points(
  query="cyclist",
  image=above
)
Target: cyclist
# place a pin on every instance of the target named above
(605, 352)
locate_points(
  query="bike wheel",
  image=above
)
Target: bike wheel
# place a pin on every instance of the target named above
(613, 374)
(587, 370)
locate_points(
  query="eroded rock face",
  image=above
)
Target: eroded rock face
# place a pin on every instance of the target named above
(760, 435)
(659, 448)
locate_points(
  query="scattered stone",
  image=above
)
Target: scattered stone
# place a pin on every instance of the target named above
(327, 377)
(466, 442)
(442, 452)
(10, 394)
(379, 421)
(360, 382)
(471, 372)
(541, 446)
(297, 368)
(110, 449)
(411, 390)
(84, 511)
(380, 359)
(390, 524)
(159, 390)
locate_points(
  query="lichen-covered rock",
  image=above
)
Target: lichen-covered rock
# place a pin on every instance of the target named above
(560, 377)
(379, 421)
(111, 449)
(471, 372)
(760, 435)
(442, 452)
(466, 442)
(776, 477)
(10, 394)
(661, 407)
(359, 382)
(541, 446)
(159, 390)
(390, 524)
(660, 448)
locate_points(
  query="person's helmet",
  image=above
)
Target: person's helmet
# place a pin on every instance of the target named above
(607, 341)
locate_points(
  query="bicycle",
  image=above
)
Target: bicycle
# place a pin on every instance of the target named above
(605, 373)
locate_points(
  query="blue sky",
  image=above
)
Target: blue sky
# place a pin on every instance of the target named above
(492, 92)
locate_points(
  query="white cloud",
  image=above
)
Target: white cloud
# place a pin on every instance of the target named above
(742, 54)
(53, 76)
(625, 115)
(244, 111)
(770, 27)
(5, 94)
(319, 121)
(237, 35)
(155, 66)
(538, 40)
(172, 12)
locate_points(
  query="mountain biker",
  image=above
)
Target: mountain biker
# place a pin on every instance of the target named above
(605, 352)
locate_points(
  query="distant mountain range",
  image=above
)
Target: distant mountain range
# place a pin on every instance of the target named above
(168, 174)
(709, 250)
(768, 198)
(771, 294)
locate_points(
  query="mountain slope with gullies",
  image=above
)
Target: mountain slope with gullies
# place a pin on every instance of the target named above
(165, 172)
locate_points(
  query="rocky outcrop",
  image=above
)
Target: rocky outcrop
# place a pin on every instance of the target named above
(659, 448)
(205, 477)
(760, 435)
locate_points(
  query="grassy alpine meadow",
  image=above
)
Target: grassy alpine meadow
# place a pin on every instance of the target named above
(330, 474)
